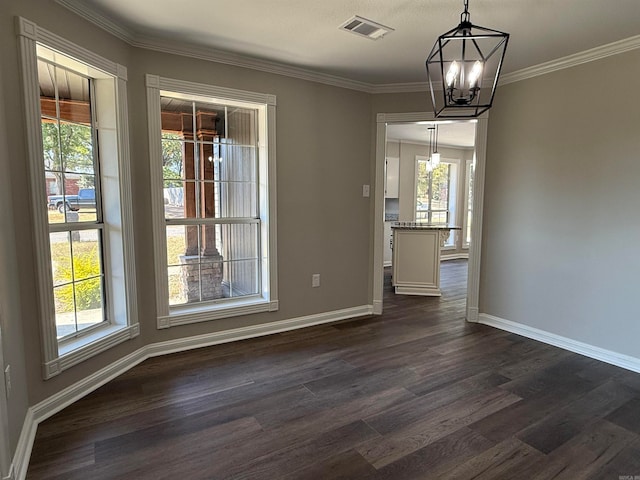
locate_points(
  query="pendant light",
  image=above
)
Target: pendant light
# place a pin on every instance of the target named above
(435, 156)
(463, 68)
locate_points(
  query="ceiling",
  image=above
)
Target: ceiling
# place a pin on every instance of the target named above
(305, 33)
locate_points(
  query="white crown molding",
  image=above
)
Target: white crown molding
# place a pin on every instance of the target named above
(569, 61)
(140, 41)
(399, 87)
(97, 18)
(591, 351)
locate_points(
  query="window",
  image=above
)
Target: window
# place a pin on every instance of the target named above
(466, 235)
(436, 193)
(76, 109)
(213, 170)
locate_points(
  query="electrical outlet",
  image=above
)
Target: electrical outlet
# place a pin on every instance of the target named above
(7, 379)
(365, 190)
(315, 280)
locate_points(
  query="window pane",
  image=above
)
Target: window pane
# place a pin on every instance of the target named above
(469, 219)
(177, 293)
(237, 163)
(65, 310)
(237, 199)
(242, 278)
(180, 199)
(241, 241)
(86, 254)
(439, 217)
(422, 216)
(89, 310)
(76, 148)
(177, 243)
(176, 116)
(61, 258)
(173, 152)
(73, 96)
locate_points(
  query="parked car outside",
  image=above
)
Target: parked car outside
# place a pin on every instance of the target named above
(86, 198)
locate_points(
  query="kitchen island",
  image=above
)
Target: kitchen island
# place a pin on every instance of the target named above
(416, 257)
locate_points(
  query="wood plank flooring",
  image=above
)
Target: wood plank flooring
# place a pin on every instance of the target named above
(416, 393)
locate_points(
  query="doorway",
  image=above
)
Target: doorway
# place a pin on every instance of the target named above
(411, 127)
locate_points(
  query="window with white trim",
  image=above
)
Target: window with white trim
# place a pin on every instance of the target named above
(80, 188)
(213, 174)
(436, 193)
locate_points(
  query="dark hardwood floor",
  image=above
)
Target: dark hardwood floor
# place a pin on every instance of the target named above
(415, 393)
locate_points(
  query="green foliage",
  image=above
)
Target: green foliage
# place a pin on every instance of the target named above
(86, 263)
(68, 147)
(172, 159)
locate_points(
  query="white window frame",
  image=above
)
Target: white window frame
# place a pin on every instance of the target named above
(267, 300)
(118, 254)
(468, 207)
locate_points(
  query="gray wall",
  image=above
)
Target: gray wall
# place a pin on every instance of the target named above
(323, 159)
(561, 223)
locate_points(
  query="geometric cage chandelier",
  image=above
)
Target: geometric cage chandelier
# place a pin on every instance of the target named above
(463, 68)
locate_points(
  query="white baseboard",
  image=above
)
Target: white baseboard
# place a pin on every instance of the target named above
(25, 444)
(10, 475)
(597, 353)
(52, 405)
(377, 307)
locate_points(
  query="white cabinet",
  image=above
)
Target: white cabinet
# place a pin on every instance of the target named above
(392, 177)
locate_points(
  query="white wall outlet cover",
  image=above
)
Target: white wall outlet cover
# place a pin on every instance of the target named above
(365, 190)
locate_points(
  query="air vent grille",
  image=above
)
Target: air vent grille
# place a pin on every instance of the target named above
(365, 28)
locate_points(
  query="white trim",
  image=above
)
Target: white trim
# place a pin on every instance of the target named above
(591, 351)
(25, 445)
(569, 61)
(475, 248)
(205, 314)
(52, 405)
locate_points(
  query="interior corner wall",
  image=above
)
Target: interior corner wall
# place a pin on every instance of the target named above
(561, 224)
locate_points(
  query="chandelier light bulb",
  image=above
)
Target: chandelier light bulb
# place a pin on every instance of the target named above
(475, 74)
(452, 74)
(435, 160)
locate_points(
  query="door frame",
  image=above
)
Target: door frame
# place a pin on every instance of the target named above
(473, 281)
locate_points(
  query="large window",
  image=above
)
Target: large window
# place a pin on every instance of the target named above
(71, 171)
(76, 109)
(213, 175)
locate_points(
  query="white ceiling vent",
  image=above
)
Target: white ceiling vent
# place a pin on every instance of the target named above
(365, 28)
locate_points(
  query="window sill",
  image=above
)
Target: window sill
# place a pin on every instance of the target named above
(77, 351)
(185, 315)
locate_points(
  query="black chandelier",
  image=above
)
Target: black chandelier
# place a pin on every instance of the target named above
(463, 68)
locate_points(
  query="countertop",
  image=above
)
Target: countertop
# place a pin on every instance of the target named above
(423, 226)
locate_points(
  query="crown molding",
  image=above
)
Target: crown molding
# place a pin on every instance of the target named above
(97, 18)
(400, 87)
(203, 53)
(569, 61)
